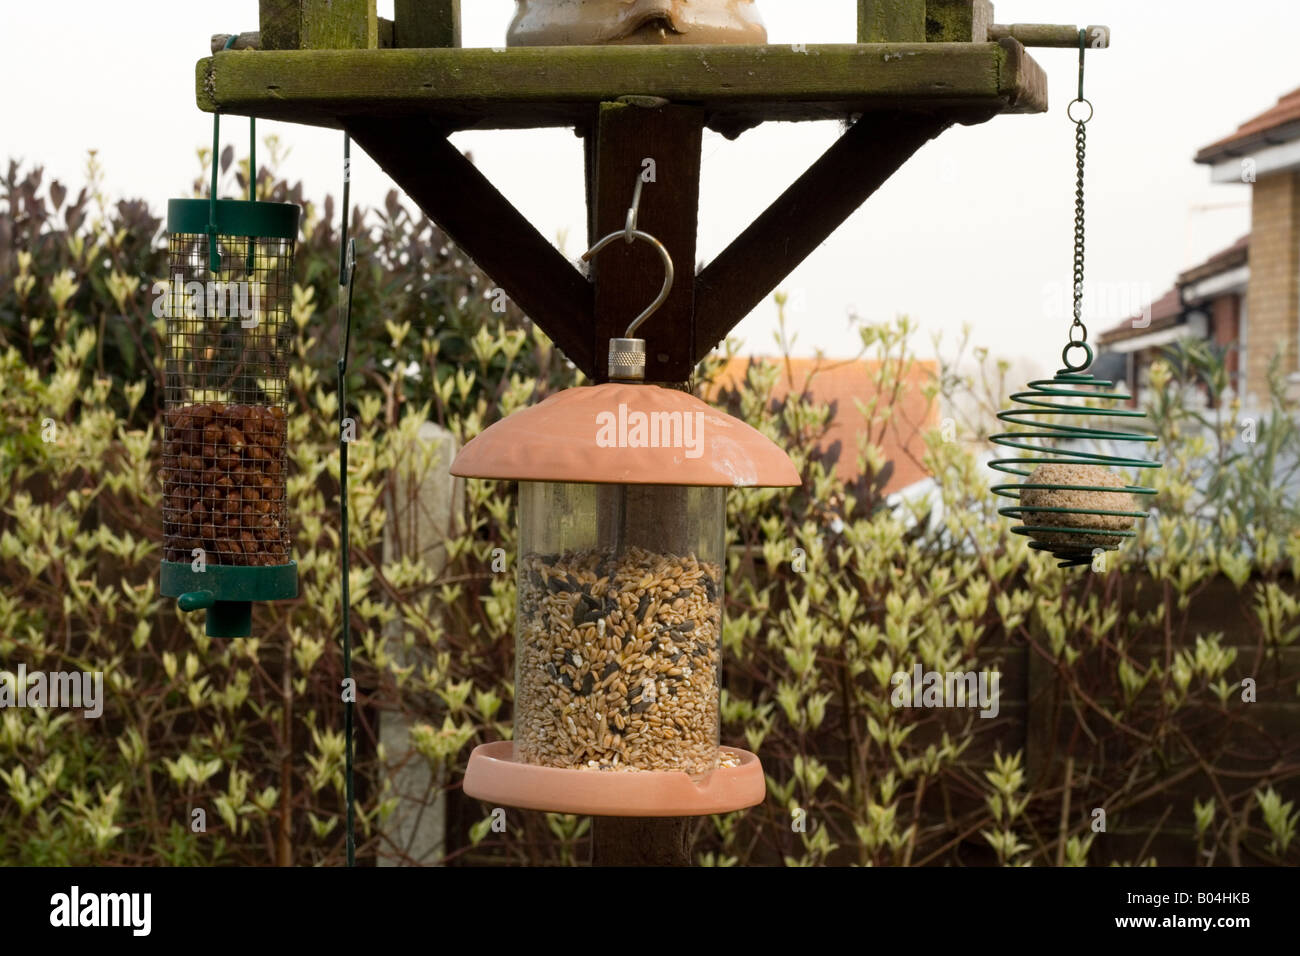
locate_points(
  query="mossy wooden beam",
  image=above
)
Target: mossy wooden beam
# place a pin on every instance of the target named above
(426, 23)
(1024, 82)
(558, 86)
(318, 24)
(958, 21)
(891, 21)
(802, 218)
(460, 199)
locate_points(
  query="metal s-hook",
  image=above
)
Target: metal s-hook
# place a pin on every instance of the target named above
(627, 354)
(629, 226)
(629, 234)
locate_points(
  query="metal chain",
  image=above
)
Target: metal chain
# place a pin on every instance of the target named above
(1080, 146)
(1079, 331)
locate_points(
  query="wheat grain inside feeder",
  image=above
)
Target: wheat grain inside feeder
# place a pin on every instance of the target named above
(226, 541)
(622, 511)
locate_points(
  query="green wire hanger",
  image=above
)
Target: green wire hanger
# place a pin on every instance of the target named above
(347, 269)
(1060, 528)
(214, 254)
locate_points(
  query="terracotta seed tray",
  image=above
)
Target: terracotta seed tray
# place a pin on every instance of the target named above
(494, 776)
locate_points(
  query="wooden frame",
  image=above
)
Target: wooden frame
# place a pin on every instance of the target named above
(530, 87)
(399, 104)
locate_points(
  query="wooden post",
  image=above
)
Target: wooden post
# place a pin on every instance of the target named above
(252, 40)
(426, 23)
(891, 21)
(319, 25)
(958, 21)
(627, 278)
(664, 143)
(423, 504)
(641, 841)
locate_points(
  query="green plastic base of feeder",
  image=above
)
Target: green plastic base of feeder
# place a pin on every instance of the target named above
(228, 593)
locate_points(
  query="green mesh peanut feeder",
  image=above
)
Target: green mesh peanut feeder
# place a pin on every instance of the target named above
(1072, 502)
(228, 339)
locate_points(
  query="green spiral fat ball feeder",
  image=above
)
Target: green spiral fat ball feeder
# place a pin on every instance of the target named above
(1071, 503)
(228, 299)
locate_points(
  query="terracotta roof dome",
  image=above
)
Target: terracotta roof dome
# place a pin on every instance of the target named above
(626, 434)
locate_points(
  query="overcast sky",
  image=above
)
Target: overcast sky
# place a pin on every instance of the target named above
(976, 228)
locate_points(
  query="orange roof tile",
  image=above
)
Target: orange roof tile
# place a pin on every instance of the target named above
(1264, 129)
(843, 382)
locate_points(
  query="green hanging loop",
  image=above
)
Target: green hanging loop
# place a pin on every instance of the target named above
(1087, 356)
(1083, 45)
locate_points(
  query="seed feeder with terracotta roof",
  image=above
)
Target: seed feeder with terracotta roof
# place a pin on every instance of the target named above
(622, 543)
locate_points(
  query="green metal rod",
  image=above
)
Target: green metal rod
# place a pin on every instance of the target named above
(252, 189)
(347, 264)
(214, 257)
(252, 159)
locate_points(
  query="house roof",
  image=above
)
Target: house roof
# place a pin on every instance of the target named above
(1165, 313)
(1222, 261)
(1278, 124)
(1167, 310)
(846, 383)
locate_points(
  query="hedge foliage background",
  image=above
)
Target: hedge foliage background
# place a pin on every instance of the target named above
(1122, 691)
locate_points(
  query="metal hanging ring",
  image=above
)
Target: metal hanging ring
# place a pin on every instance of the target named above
(1069, 111)
(1083, 337)
(1087, 351)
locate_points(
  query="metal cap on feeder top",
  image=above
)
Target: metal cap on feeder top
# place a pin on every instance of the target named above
(626, 434)
(627, 360)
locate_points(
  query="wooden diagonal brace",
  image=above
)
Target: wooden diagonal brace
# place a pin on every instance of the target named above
(801, 219)
(461, 200)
